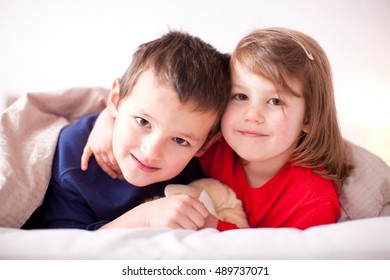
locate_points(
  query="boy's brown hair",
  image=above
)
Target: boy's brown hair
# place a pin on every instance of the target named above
(284, 55)
(194, 69)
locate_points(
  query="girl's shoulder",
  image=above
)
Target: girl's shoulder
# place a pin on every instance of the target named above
(219, 150)
(310, 180)
(219, 156)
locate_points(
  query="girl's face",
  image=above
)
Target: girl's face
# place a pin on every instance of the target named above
(155, 135)
(261, 124)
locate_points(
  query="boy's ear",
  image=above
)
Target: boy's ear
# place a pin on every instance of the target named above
(213, 139)
(112, 102)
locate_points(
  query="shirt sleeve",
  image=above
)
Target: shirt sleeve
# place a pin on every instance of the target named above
(223, 226)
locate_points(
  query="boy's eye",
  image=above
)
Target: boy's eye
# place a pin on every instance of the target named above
(142, 122)
(240, 96)
(275, 101)
(181, 141)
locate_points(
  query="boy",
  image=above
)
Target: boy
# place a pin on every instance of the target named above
(167, 108)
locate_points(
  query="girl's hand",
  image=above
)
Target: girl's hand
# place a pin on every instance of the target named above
(177, 212)
(99, 144)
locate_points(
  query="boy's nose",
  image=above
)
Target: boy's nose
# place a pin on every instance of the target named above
(152, 148)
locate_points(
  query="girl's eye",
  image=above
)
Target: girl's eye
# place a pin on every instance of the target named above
(142, 122)
(240, 96)
(181, 141)
(275, 102)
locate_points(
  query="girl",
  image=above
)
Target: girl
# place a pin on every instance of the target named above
(282, 151)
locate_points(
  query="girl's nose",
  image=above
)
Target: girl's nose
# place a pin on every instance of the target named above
(254, 114)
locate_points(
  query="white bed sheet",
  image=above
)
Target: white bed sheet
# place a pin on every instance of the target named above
(358, 239)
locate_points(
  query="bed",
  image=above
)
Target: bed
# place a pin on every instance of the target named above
(28, 135)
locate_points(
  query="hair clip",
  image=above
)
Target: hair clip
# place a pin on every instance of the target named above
(308, 53)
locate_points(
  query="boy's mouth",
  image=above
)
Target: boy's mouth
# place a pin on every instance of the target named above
(142, 166)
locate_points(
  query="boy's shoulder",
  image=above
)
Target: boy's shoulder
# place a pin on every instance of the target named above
(70, 145)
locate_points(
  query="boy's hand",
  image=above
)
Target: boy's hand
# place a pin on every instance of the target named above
(210, 222)
(99, 144)
(177, 212)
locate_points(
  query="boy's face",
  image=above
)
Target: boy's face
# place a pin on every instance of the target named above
(155, 136)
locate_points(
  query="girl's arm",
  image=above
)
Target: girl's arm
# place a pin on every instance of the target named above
(99, 144)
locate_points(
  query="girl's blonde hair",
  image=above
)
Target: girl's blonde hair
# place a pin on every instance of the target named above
(283, 55)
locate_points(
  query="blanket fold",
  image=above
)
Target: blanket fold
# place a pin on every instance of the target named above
(28, 135)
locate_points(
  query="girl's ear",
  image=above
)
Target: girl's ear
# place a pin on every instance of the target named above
(112, 102)
(213, 139)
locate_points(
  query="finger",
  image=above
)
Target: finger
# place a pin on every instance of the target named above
(104, 162)
(198, 219)
(102, 157)
(184, 222)
(106, 168)
(191, 220)
(172, 212)
(113, 163)
(194, 214)
(180, 221)
(200, 208)
(112, 166)
(87, 153)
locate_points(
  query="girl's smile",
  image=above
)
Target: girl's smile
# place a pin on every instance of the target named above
(262, 124)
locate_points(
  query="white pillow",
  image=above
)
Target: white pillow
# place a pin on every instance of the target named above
(366, 192)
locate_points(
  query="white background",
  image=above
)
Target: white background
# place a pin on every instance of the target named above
(56, 44)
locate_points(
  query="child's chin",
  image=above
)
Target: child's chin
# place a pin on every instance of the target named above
(139, 182)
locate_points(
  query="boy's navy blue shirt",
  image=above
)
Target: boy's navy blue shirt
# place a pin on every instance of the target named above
(89, 199)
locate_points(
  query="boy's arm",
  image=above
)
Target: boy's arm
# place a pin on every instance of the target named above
(65, 208)
(178, 212)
